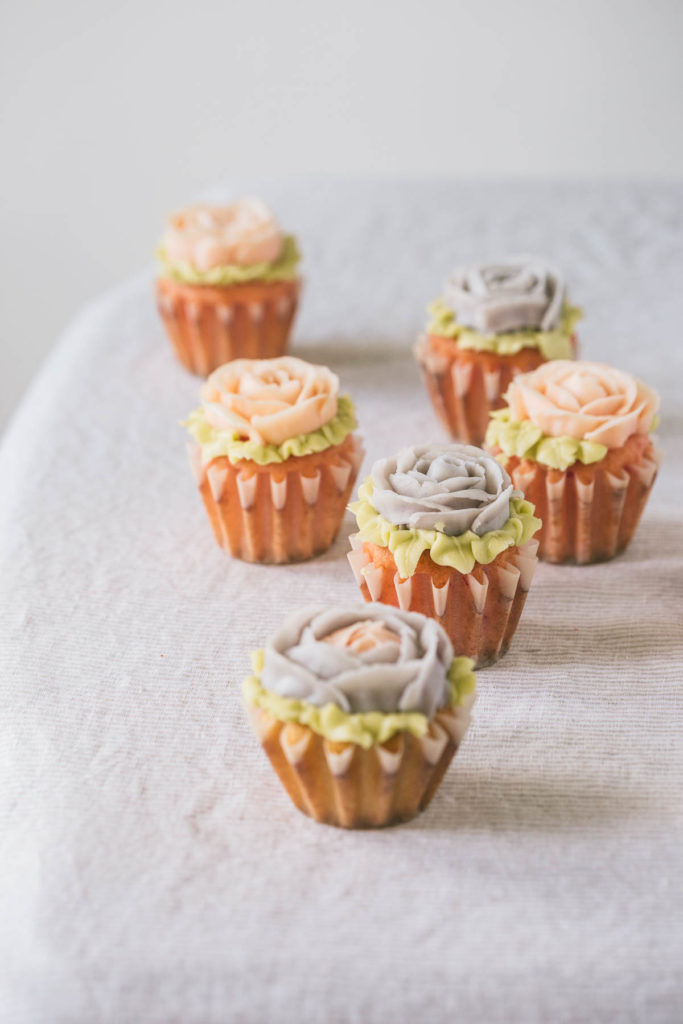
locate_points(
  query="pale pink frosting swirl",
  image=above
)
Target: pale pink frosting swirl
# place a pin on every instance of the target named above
(270, 400)
(587, 401)
(242, 234)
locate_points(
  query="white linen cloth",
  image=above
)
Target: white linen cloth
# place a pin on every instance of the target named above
(151, 867)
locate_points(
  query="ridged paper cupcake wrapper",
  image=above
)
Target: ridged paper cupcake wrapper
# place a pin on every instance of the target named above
(346, 785)
(589, 515)
(210, 326)
(479, 610)
(467, 386)
(280, 512)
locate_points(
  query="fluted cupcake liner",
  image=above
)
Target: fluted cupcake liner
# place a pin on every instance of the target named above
(465, 386)
(209, 326)
(280, 512)
(589, 513)
(349, 786)
(479, 610)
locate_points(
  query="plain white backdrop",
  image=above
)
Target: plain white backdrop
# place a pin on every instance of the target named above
(112, 114)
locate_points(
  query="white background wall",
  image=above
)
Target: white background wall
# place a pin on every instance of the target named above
(111, 114)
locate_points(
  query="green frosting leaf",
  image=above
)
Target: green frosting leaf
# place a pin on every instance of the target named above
(215, 443)
(461, 552)
(364, 728)
(527, 441)
(282, 269)
(554, 344)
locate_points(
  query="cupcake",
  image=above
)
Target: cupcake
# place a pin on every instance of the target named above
(360, 711)
(441, 531)
(228, 285)
(575, 437)
(274, 457)
(494, 321)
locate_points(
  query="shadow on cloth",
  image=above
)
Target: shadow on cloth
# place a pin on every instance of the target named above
(601, 644)
(467, 801)
(655, 537)
(350, 352)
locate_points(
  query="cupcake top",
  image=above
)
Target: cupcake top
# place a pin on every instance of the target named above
(359, 673)
(268, 410)
(221, 245)
(504, 307)
(453, 500)
(566, 411)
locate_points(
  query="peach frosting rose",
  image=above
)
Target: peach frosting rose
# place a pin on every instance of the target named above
(270, 400)
(586, 401)
(242, 234)
(363, 636)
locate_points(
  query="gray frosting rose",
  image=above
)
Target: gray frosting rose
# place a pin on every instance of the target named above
(361, 658)
(520, 293)
(447, 487)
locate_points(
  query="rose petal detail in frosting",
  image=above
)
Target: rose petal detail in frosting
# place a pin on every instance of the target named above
(585, 401)
(451, 488)
(215, 442)
(407, 674)
(460, 552)
(493, 298)
(368, 635)
(270, 400)
(241, 234)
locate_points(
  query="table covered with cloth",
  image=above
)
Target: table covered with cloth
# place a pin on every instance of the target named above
(152, 869)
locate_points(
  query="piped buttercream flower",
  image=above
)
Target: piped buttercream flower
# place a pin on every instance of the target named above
(241, 234)
(519, 293)
(270, 400)
(451, 488)
(364, 636)
(405, 667)
(586, 401)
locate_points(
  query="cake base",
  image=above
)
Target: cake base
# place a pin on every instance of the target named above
(283, 511)
(209, 326)
(344, 784)
(465, 386)
(589, 513)
(479, 610)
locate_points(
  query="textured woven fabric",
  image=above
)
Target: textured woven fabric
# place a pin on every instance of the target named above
(151, 868)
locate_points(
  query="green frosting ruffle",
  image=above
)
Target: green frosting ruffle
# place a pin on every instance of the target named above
(554, 344)
(282, 269)
(215, 443)
(365, 728)
(524, 439)
(462, 552)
